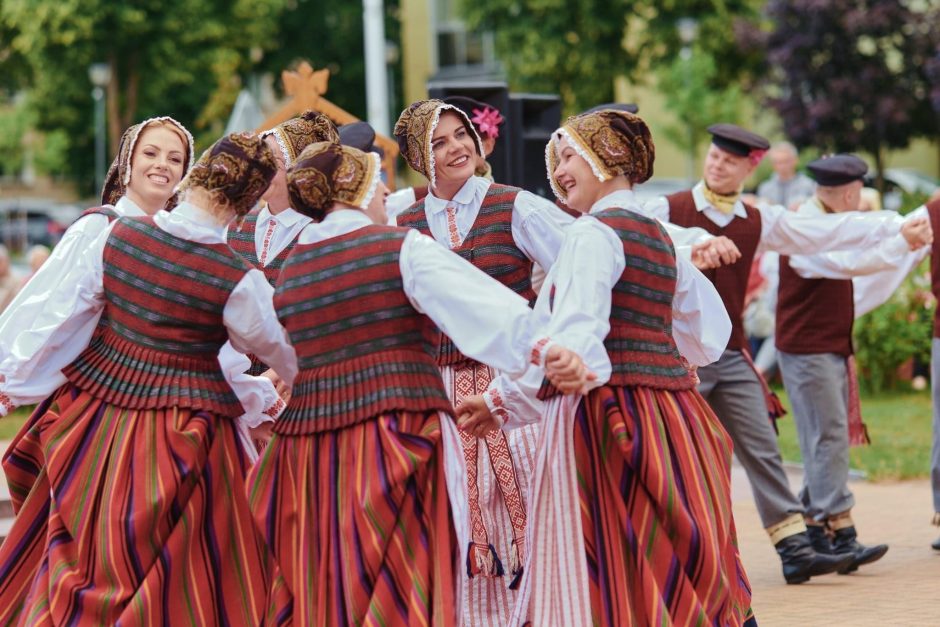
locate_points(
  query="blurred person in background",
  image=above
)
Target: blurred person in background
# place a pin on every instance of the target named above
(35, 257)
(8, 283)
(786, 186)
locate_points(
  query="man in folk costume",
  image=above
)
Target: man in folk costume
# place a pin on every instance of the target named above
(501, 230)
(267, 235)
(351, 493)
(816, 305)
(732, 385)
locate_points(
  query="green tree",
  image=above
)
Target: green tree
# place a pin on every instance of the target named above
(578, 47)
(167, 58)
(695, 95)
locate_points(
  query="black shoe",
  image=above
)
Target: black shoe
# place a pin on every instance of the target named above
(819, 538)
(845, 542)
(800, 561)
(936, 545)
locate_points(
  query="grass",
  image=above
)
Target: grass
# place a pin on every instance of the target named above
(899, 424)
(10, 425)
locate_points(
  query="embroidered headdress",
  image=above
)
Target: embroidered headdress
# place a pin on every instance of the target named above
(236, 170)
(326, 173)
(119, 174)
(297, 133)
(415, 129)
(612, 142)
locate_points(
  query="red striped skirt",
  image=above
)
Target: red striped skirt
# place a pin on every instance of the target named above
(359, 524)
(649, 472)
(147, 522)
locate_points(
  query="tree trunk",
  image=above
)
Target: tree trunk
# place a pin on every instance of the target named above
(113, 105)
(878, 153)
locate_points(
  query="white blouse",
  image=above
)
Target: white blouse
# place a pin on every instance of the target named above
(790, 233)
(61, 325)
(537, 224)
(590, 264)
(486, 320)
(274, 232)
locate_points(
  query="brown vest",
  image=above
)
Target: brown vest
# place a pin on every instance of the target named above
(933, 210)
(731, 280)
(813, 315)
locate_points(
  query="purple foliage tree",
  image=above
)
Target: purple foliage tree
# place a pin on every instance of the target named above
(850, 75)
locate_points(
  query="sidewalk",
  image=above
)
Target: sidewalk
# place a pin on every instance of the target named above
(903, 588)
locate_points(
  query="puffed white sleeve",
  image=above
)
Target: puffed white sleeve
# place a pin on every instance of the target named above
(590, 263)
(657, 208)
(538, 228)
(253, 326)
(53, 318)
(258, 396)
(700, 323)
(888, 254)
(792, 233)
(873, 290)
(486, 320)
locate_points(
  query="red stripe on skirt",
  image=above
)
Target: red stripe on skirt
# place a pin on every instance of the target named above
(149, 524)
(359, 524)
(654, 474)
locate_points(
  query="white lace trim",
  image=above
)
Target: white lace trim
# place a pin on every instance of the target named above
(140, 128)
(376, 177)
(432, 179)
(549, 150)
(281, 142)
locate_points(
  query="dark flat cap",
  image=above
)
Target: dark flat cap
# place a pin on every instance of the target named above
(837, 170)
(358, 135)
(734, 139)
(629, 107)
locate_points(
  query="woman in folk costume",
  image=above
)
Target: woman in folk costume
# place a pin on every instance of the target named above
(152, 158)
(630, 519)
(501, 230)
(486, 121)
(350, 493)
(146, 521)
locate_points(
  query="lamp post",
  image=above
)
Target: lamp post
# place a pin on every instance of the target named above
(100, 76)
(688, 30)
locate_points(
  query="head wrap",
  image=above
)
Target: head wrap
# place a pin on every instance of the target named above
(236, 170)
(415, 128)
(297, 133)
(119, 174)
(612, 142)
(326, 173)
(485, 119)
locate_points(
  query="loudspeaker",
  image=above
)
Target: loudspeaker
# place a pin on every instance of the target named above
(533, 117)
(496, 95)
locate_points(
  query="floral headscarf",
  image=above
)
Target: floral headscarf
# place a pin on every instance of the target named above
(297, 133)
(415, 129)
(119, 174)
(326, 173)
(612, 142)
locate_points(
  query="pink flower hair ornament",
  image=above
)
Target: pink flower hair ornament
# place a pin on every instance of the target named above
(487, 120)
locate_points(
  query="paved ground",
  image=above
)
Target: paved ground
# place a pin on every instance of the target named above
(903, 588)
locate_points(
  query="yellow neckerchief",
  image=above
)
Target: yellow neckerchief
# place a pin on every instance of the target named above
(822, 205)
(722, 202)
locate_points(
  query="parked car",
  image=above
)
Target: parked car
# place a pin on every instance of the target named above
(25, 222)
(899, 181)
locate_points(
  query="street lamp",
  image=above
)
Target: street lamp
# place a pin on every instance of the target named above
(688, 30)
(100, 76)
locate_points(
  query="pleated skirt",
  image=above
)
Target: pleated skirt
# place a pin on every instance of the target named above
(631, 520)
(134, 517)
(359, 524)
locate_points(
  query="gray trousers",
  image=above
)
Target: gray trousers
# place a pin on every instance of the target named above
(732, 389)
(818, 388)
(935, 453)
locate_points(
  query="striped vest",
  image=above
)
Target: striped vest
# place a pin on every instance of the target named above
(164, 298)
(640, 345)
(731, 280)
(813, 315)
(489, 246)
(105, 210)
(362, 348)
(242, 241)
